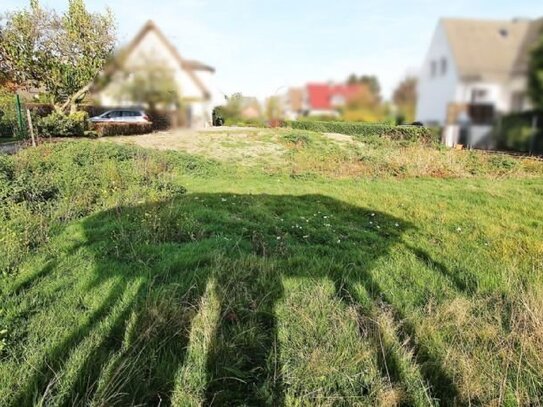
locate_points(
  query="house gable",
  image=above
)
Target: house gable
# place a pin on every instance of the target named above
(151, 46)
(438, 80)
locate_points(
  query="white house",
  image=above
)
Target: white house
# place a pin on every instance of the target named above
(474, 71)
(193, 79)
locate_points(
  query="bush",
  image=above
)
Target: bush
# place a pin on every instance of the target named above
(8, 114)
(60, 125)
(120, 129)
(516, 132)
(363, 130)
(7, 129)
(245, 122)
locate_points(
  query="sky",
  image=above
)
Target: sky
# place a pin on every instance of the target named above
(262, 47)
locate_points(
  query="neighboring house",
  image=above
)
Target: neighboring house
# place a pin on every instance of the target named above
(193, 80)
(250, 108)
(319, 99)
(474, 71)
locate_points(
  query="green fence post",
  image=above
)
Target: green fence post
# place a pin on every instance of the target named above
(22, 132)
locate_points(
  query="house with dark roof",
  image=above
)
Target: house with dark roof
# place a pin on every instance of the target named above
(474, 71)
(192, 80)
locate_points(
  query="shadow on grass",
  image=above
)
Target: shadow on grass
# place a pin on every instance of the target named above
(462, 282)
(245, 244)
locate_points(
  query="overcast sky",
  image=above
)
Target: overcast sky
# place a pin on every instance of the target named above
(260, 47)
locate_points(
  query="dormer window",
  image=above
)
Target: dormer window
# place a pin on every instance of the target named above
(443, 65)
(433, 69)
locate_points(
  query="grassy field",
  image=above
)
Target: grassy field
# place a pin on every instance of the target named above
(332, 272)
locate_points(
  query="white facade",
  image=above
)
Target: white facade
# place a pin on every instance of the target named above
(438, 83)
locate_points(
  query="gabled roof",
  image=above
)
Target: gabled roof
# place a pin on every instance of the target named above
(320, 95)
(190, 66)
(490, 49)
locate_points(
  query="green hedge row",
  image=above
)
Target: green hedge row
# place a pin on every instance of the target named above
(121, 129)
(410, 133)
(77, 125)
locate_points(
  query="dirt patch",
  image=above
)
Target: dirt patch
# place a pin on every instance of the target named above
(225, 144)
(340, 138)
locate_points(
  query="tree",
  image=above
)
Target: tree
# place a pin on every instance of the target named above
(405, 98)
(273, 108)
(370, 80)
(59, 54)
(153, 85)
(535, 74)
(363, 106)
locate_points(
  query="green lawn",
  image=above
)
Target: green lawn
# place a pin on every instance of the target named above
(140, 277)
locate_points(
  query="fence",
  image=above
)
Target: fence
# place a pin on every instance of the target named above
(13, 122)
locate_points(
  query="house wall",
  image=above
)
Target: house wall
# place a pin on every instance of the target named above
(499, 94)
(435, 92)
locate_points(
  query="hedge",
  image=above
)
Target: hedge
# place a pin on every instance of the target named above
(121, 129)
(361, 130)
(60, 125)
(515, 132)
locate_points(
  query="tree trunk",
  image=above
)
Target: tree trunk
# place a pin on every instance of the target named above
(71, 103)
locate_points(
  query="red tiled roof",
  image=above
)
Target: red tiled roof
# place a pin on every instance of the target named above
(320, 96)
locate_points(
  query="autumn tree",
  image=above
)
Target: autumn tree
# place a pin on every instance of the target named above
(371, 81)
(363, 106)
(405, 98)
(59, 54)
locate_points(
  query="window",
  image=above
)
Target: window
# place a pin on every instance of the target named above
(478, 95)
(433, 69)
(443, 66)
(482, 114)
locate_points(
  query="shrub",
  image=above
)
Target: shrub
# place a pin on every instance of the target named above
(120, 129)
(60, 125)
(516, 132)
(7, 129)
(363, 130)
(297, 138)
(8, 114)
(245, 122)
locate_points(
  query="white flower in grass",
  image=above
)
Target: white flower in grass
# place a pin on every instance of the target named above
(458, 229)
(373, 214)
(397, 225)
(378, 227)
(223, 199)
(305, 236)
(371, 223)
(339, 241)
(278, 237)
